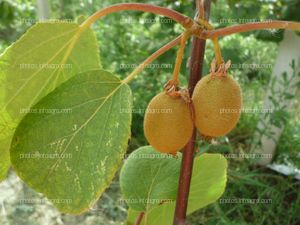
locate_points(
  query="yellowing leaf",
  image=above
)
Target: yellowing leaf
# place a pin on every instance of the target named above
(73, 144)
(47, 55)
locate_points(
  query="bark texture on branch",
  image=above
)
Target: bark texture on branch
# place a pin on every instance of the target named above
(196, 65)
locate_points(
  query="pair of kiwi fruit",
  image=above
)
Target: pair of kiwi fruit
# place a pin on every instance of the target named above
(216, 100)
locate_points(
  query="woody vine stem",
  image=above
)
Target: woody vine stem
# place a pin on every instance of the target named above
(196, 67)
(200, 29)
(195, 28)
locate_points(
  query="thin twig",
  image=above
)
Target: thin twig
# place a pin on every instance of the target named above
(217, 51)
(151, 58)
(185, 21)
(179, 56)
(275, 24)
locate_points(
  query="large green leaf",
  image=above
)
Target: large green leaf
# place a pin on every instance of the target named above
(208, 184)
(44, 57)
(149, 178)
(72, 145)
(208, 181)
(4, 161)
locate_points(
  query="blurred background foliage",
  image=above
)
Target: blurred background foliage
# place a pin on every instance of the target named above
(127, 38)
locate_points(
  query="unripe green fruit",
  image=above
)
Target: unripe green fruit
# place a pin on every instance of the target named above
(168, 125)
(217, 103)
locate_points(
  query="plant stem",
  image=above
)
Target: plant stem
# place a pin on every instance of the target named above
(188, 24)
(217, 51)
(152, 58)
(196, 65)
(275, 24)
(139, 218)
(214, 40)
(200, 8)
(179, 56)
(185, 21)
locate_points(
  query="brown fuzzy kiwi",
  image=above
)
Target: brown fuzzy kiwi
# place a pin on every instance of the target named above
(217, 101)
(168, 125)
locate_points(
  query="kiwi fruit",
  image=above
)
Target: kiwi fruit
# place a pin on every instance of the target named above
(168, 124)
(217, 102)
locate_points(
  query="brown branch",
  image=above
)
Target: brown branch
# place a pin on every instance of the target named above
(200, 8)
(139, 218)
(185, 21)
(274, 24)
(196, 65)
(151, 58)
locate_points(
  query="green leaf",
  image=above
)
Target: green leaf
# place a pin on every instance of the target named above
(4, 161)
(131, 216)
(149, 178)
(73, 143)
(44, 57)
(208, 184)
(208, 181)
